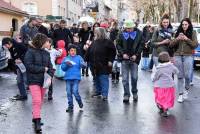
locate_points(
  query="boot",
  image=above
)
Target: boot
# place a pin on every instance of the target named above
(37, 125)
(33, 120)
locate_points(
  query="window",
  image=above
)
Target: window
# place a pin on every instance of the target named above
(30, 8)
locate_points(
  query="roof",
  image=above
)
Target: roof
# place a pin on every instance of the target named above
(9, 8)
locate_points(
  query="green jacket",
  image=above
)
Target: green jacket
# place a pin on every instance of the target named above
(185, 48)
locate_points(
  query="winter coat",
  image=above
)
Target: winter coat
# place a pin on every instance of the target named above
(63, 34)
(130, 46)
(185, 47)
(42, 29)
(158, 36)
(72, 72)
(162, 75)
(17, 51)
(114, 34)
(99, 54)
(53, 55)
(61, 46)
(27, 33)
(35, 61)
(85, 35)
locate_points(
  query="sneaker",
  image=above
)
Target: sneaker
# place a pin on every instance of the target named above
(165, 114)
(96, 95)
(69, 109)
(160, 109)
(20, 98)
(185, 94)
(80, 105)
(191, 84)
(104, 98)
(135, 97)
(180, 99)
(126, 99)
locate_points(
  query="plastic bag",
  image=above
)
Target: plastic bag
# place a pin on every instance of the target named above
(47, 81)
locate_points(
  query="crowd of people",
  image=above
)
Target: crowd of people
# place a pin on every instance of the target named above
(39, 54)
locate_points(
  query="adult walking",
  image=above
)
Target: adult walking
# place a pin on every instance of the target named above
(101, 55)
(130, 45)
(161, 38)
(86, 36)
(37, 62)
(29, 30)
(63, 34)
(17, 51)
(185, 42)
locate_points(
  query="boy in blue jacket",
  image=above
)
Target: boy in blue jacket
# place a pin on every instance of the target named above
(72, 65)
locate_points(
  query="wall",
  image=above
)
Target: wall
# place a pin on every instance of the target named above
(44, 6)
(6, 25)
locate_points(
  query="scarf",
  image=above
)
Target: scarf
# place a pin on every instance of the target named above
(166, 33)
(131, 35)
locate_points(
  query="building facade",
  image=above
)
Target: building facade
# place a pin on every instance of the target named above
(12, 19)
(74, 10)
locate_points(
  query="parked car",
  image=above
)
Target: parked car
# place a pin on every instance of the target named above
(3, 57)
(196, 52)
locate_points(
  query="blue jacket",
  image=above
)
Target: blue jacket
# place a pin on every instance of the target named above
(72, 72)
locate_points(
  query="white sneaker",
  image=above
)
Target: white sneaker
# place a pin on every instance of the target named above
(185, 94)
(180, 99)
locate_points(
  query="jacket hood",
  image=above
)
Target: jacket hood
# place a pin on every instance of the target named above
(160, 65)
(61, 44)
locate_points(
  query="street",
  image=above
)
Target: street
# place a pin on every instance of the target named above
(111, 117)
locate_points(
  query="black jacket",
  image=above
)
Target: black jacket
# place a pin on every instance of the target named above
(43, 30)
(35, 61)
(17, 51)
(136, 45)
(99, 54)
(113, 34)
(85, 35)
(63, 34)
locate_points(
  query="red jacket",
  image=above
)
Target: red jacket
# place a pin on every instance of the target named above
(61, 45)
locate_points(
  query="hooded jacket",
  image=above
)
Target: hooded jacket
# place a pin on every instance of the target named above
(162, 75)
(61, 46)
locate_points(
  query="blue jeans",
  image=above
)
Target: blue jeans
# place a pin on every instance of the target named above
(155, 60)
(72, 87)
(22, 82)
(184, 65)
(129, 66)
(102, 84)
(145, 63)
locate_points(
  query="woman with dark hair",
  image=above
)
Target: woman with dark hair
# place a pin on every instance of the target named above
(185, 42)
(96, 24)
(161, 38)
(37, 62)
(86, 36)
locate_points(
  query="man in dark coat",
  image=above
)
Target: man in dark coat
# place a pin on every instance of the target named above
(42, 29)
(17, 51)
(129, 46)
(63, 34)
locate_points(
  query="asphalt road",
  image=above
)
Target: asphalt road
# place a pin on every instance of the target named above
(99, 117)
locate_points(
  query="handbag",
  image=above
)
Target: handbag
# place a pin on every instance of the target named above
(59, 72)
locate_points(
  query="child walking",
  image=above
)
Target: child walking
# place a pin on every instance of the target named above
(37, 62)
(164, 84)
(61, 47)
(71, 65)
(53, 55)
